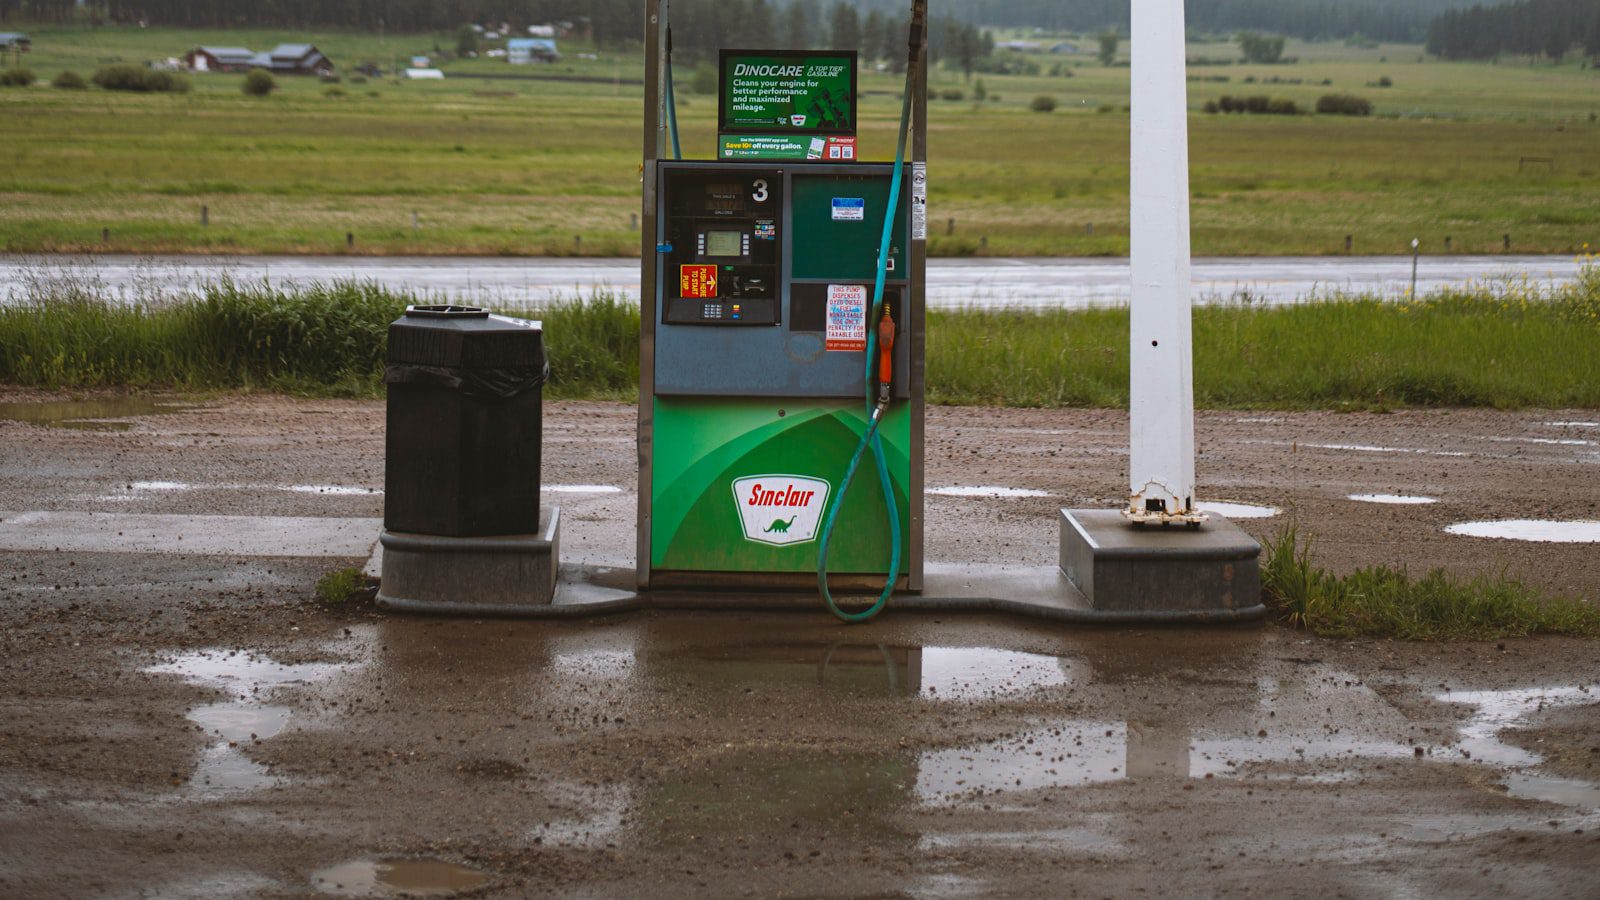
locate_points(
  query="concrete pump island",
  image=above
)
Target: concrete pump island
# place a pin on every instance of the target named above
(781, 627)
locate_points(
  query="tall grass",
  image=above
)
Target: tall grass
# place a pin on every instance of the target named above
(1385, 602)
(1506, 345)
(326, 339)
(1509, 344)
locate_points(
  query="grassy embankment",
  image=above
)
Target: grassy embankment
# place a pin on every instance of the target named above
(550, 167)
(1502, 345)
(1391, 603)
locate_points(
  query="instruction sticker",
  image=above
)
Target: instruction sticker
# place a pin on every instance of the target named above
(697, 281)
(919, 201)
(849, 209)
(847, 317)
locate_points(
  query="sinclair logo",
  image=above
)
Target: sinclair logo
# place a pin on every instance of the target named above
(780, 509)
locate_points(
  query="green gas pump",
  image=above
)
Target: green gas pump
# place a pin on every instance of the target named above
(782, 341)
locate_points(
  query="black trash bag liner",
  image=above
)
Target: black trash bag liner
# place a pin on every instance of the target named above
(503, 383)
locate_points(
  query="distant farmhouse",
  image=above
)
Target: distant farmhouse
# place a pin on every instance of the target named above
(521, 51)
(284, 59)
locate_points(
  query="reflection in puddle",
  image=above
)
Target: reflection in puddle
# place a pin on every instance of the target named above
(1236, 510)
(1295, 729)
(397, 877)
(100, 414)
(1395, 499)
(983, 673)
(985, 491)
(1542, 530)
(243, 718)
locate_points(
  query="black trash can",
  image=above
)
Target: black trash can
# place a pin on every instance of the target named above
(464, 423)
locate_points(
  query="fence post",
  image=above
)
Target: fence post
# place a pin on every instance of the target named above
(205, 216)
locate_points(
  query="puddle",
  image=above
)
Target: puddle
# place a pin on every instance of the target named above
(581, 488)
(1542, 530)
(1289, 725)
(397, 878)
(1561, 791)
(339, 489)
(102, 414)
(1395, 499)
(1573, 424)
(1237, 510)
(1498, 710)
(985, 491)
(1561, 442)
(981, 673)
(244, 718)
(1370, 448)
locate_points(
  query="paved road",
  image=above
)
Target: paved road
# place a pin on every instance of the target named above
(1034, 282)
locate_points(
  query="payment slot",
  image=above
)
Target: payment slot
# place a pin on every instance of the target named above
(723, 246)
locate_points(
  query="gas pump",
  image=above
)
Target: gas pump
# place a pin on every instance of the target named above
(782, 339)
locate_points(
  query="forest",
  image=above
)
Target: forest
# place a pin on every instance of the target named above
(615, 21)
(1526, 28)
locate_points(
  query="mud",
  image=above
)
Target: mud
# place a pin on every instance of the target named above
(185, 725)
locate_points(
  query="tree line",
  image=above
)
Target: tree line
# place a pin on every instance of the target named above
(1525, 28)
(617, 21)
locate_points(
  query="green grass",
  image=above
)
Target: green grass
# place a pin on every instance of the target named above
(340, 586)
(541, 167)
(1493, 345)
(1391, 603)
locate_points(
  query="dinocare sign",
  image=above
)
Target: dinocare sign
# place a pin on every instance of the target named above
(772, 100)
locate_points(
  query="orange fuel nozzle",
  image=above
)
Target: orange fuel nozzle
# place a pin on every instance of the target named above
(885, 356)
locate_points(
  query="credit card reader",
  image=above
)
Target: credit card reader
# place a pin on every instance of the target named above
(723, 247)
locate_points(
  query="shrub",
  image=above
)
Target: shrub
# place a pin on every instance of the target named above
(1280, 107)
(1257, 104)
(358, 78)
(70, 80)
(1212, 106)
(333, 91)
(704, 80)
(259, 83)
(952, 94)
(1043, 103)
(129, 77)
(18, 77)
(1344, 105)
(1385, 81)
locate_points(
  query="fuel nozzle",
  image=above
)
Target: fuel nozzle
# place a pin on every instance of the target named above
(885, 358)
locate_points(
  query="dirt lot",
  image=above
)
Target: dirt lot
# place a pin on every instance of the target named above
(195, 724)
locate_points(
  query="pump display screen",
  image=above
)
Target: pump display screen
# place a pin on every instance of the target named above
(723, 243)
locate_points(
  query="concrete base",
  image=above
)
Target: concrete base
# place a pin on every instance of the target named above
(1120, 567)
(506, 574)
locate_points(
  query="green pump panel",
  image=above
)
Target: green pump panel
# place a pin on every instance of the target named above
(752, 376)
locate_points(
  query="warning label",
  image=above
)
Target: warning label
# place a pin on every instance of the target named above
(697, 281)
(847, 317)
(849, 209)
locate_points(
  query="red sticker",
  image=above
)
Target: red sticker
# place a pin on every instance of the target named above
(697, 281)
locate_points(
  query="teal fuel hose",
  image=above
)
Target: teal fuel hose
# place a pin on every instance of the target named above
(672, 105)
(875, 407)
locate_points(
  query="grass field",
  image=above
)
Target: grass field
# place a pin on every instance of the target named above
(551, 167)
(1490, 346)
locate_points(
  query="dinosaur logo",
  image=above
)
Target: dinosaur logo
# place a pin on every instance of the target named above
(780, 509)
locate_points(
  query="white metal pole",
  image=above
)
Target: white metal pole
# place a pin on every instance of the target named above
(1161, 390)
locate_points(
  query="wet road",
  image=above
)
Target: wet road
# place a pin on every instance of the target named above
(1031, 282)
